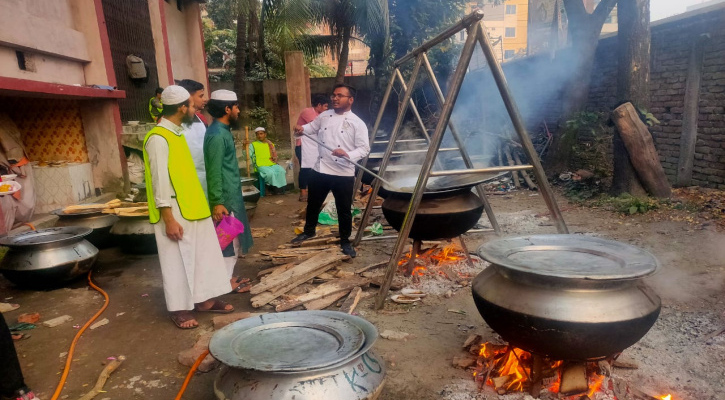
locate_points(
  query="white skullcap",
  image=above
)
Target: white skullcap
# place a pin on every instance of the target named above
(174, 94)
(223, 95)
(259, 129)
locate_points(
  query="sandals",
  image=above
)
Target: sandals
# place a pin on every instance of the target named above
(180, 317)
(218, 307)
(243, 285)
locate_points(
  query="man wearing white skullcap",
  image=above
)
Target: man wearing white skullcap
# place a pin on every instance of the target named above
(224, 186)
(192, 266)
(194, 131)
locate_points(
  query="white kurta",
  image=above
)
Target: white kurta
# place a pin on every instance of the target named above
(194, 135)
(193, 269)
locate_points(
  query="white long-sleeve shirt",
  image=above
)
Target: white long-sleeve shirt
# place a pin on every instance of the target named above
(344, 131)
(194, 134)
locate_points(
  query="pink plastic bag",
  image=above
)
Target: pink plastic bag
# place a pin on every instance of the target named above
(227, 229)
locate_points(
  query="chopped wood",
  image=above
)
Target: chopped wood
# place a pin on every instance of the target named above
(326, 276)
(273, 270)
(464, 361)
(306, 270)
(317, 242)
(574, 379)
(323, 290)
(352, 300)
(324, 302)
(292, 259)
(625, 362)
(371, 266)
(500, 381)
(472, 340)
(124, 210)
(103, 377)
(451, 274)
(261, 232)
(641, 149)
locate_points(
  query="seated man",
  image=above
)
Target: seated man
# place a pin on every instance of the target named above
(264, 157)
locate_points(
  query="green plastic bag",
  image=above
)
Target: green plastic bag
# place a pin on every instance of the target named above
(376, 229)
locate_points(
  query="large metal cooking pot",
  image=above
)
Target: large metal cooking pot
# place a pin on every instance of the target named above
(47, 257)
(300, 355)
(135, 235)
(448, 207)
(569, 297)
(99, 222)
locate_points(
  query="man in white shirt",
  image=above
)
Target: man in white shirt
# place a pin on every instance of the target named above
(194, 131)
(344, 131)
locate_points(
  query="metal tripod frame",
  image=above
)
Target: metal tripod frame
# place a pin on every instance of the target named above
(476, 34)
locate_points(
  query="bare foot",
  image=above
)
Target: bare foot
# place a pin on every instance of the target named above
(184, 319)
(240, 285)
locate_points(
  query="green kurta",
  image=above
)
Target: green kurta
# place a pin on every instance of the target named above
(223, 180)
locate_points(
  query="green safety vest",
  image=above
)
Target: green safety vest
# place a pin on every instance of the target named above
(189, 194)
(155, 112)
(262, 154)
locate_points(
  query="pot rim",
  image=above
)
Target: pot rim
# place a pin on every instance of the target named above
(619, 261)
(77, 233)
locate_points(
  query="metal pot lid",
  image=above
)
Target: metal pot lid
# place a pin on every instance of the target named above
(288, 342)
(570, 257)
(46, 236)
(59, 212)
(443, 183)
(247, 180)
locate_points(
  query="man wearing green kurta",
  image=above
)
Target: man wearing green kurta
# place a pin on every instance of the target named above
(222, 172)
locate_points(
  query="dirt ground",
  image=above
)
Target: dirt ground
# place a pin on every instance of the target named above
(675, 357)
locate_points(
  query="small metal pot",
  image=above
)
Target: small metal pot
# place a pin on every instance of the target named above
(569, 297)
(96, 220)
(48, 257)
(250, 194)
(135, 235)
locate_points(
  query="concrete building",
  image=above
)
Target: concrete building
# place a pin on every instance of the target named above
(64, 83)
(507, 28)
(358, 55)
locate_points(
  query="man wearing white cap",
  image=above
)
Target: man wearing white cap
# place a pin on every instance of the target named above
(224, 185)
(192, 266)
(194, 132)
(264, 156)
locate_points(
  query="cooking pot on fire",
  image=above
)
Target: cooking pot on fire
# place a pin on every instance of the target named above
(568, 297)
(135, 235)
(448, 208)
(300, 355)
(47, 257)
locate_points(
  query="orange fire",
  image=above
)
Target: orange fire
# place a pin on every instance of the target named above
(667, 397)
(433, 257)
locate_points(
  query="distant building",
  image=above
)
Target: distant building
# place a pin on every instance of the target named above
(703, 4)
(506, 26)
(64, 82)
(358, 55)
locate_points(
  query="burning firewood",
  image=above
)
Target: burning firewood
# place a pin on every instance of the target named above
(574, 379)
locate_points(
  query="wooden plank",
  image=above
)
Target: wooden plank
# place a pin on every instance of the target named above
(371, 266)
(326, 301)
(313, 264)
(322, 291)
(266, 297)
(641, 149)
(275, 270)
(348, 306)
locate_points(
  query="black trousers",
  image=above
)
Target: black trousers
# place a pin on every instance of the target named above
(11, 377)
(304, 177)
(319, 186)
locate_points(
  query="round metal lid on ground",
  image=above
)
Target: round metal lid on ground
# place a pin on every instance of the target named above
(570, 257)
(288, 342)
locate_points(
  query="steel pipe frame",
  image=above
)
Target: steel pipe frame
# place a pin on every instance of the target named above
(518, 123)
(417, 196)
(481, 170)
(464, 154)
(407, 100)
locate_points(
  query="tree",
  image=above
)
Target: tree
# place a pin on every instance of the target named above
(633, 41)
(240, 54)
(584, 29)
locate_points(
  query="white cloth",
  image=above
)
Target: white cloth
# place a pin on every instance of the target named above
(310, 153)
(345, 131)
(194, 135)
(193, 269)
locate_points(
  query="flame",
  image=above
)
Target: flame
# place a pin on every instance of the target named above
(433, 257)
(666, 397)
(595, 385)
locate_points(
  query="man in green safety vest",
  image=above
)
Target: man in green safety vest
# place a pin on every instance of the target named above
(264, 157)
(155, 105)
(191, 260)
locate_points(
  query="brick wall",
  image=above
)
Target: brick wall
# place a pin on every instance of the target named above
(672, 44)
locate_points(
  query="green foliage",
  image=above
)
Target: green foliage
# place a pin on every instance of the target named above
(219, 44)
(630, 205)
(260, 116)
(590, 139)
(648, 117)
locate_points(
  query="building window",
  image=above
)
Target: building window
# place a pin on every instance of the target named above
(511, 9)
(509, 54)
(510, 32)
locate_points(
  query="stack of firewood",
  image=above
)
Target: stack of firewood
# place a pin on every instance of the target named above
(118, 207)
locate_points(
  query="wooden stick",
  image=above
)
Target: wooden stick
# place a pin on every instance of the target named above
(348, 306)
(105, 374)
(525, 174)
(510, 161)
(246, 151)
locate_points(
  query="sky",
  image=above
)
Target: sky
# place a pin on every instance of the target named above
(666, 8)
